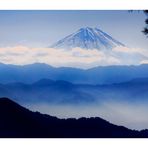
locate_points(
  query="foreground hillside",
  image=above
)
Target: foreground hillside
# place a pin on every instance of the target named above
(16, 121)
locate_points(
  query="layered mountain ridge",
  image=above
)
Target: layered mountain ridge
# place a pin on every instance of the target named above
(97, 75)
(66, 93)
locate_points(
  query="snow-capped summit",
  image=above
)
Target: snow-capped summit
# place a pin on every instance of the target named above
(88, 38)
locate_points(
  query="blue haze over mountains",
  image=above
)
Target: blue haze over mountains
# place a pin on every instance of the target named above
(30, 83)
(62, 92)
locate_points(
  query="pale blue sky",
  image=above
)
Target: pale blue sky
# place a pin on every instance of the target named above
(42, 28)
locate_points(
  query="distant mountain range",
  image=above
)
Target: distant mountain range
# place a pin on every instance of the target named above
(62, 92)
(88, 38)
(18, 122)
(98, 75)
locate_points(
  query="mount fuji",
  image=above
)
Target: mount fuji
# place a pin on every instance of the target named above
(88, 38)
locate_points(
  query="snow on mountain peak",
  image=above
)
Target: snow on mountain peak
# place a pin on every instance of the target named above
(88, 38)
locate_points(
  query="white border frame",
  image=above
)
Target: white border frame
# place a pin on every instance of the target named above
(74, 143)
(73, 4)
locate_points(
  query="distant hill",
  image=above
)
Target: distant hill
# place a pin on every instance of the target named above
(98, 75)
(18, 122)
(63, 92)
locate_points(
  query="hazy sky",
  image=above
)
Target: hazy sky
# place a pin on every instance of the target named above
(42, 28)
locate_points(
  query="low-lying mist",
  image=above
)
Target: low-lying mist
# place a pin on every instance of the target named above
(133, 116)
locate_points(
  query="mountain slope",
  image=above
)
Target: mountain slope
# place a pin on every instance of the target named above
(88, 38)
(18, 122)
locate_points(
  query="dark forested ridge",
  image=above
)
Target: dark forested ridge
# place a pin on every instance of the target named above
(16, 121)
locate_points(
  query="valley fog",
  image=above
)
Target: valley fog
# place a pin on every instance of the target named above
(133, 116)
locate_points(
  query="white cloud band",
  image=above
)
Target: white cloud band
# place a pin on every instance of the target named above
(76, 57)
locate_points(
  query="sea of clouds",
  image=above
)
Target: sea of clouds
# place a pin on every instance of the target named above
(76, 57)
